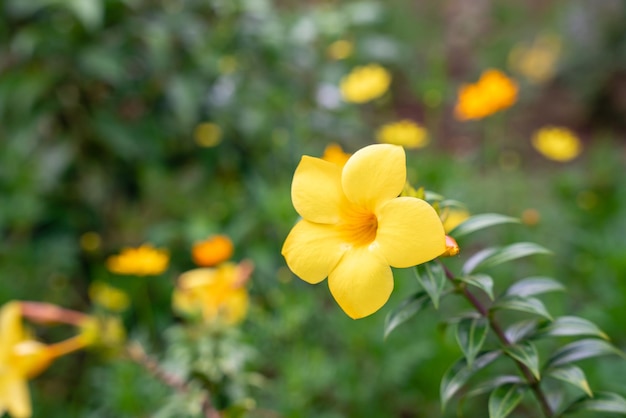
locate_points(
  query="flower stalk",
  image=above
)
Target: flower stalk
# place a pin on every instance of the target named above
(532, 381)
(136, 353)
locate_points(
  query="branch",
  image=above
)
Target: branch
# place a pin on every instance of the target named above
(136, 353)
(497, 329)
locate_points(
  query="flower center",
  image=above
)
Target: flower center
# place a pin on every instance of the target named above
(360, 228)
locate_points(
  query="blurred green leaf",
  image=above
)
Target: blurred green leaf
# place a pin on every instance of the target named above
(407, 309)
(520, 330)
(529, 305)
(573, 375)
(526, 353)
(432, 278)
(531, 286)
(601, 402)
(460, 372)
(491, 384)
(568, 326)
(481, 281)
(478, 222)
(579, 350)
(471, 334)
(504, 399)
(493, 256)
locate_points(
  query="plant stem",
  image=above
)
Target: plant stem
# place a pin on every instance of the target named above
(136, 353)
(497, 329)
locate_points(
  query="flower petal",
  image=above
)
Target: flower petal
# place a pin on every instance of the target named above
(313, 250)
(16, 396)
(362, 282)
(409, 232)
(374, 174)
(316, 190)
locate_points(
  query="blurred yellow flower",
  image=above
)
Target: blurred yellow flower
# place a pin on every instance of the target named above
(214, 294)
(365, 83)
(21, 358)
(335, 154)
(405, 133)
(537, 61)
(558, 144)
(453, 217)
(141, 261)
(212, 251)
(207, 134)
(354, 226)
(340, 49)
(103, 332)
(493, 92)
(108, 297)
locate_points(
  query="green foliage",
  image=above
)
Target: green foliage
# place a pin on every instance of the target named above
(99, 102)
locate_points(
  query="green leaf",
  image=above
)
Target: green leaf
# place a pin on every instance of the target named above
(568, 326)
(471, 334)
(526, 353)
(492, 384)
(493, 256)
(582, 349)
(601, 402)
(460, 372)
(573, 375)
(531, 286)
(530, 305)
(432, 278)
(521, 330)
(407, 309)
(478, 222)
(481, 281)
(504, 399)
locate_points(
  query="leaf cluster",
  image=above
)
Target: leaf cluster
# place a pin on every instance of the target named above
(487, 334)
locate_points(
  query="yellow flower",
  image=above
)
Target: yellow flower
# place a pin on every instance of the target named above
(365, 83)
(340, 49)
(212, 250)
(452, 217)
(141, 261)
(558, 144)
(355, 226)
(493, 92)
(207, 134)
(108, 297)
(103, 332)
(537, 61)
(405, 132)
(20, 359)
(215, 294)
(334, 154)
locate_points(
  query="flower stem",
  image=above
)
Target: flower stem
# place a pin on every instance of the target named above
(136, 353)
(497, 329)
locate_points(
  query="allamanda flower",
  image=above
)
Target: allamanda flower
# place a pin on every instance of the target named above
(215, 294)
(354, 226)
(21, 358)
(141, 261)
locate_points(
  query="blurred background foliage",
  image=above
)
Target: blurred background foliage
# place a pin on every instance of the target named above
(167, 121)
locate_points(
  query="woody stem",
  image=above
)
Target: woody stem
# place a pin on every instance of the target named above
(533, 382)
